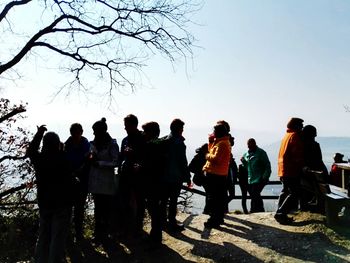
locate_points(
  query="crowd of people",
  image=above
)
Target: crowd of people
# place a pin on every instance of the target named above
(148, 171)
(302, 171)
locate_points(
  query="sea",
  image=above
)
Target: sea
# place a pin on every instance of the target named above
(329, 146)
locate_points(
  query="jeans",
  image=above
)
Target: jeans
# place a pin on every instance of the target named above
(289, 195)
(53, 230)
(170, 192)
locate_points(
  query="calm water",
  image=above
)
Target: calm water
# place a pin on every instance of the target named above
(270, 205)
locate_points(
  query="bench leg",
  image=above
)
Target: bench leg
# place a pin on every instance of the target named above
(332, 210)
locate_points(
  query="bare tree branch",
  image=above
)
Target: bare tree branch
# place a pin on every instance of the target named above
(12, 113)
(11, 5)
(110, 38)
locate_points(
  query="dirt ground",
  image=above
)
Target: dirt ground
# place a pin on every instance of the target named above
(243, 238)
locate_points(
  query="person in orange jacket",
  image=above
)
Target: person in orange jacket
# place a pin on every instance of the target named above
(216, 170)
(290, 165)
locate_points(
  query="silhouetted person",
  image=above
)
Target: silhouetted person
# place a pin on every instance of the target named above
(131, 177)
(54, 194)
(104, 154)
(196, 167)
(153, 171)
(258, 167)
(314, 171)
(243, 185)
(176, 173)
(77, 148)
(290, 164)
(335, 173)
(216, 170)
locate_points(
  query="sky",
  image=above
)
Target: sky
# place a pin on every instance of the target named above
(257, 64)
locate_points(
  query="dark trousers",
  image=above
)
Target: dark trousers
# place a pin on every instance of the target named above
(103, 215)
(216, 197)
(132, 206)
(169, 196)
(154, 209)
(256, 203)
(289, 195)
(53, 230)
(79, 211)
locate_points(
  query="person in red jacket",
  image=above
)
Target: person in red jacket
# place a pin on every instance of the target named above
(336, 173)
(290, 165)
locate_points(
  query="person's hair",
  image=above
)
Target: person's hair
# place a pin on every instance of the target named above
(151, 128)
(338, 156)
(309, 131)
(100, 125)
(76, 127)
(251, 140)
(225, 123)
(202, 149)
(51, 142)
(176, 125)
(220, 130)
(131, 119)
(295, 124)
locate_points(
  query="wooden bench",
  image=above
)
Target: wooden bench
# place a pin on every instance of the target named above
(335, 199)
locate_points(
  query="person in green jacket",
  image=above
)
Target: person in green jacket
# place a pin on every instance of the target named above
(258, 166)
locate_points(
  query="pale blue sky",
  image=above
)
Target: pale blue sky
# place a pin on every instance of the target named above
(260, 63)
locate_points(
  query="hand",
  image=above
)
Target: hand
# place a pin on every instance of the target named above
(265, 181)
(137, 167)
(306, 169)
(41, 129)
(189, 184)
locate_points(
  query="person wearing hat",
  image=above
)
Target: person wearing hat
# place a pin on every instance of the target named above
(104, 153)
(336, 174)
(290, 164)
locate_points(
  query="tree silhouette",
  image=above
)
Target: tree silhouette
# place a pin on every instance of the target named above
(111, 40)
(16, 174)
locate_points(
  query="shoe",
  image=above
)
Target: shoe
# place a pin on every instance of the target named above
(210, 224)
(283, 219)
(313, 201)
(176, 228)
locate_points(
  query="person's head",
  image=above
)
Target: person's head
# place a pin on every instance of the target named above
(100, 127)
(220, 131)
(130, 123)
(203, 149)
(51, 143)
(251, 143)
(76, 131)
(295, 124)
(151, 130)
(309, 132)
(225, 123)
(177, 127)
(338, 157)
